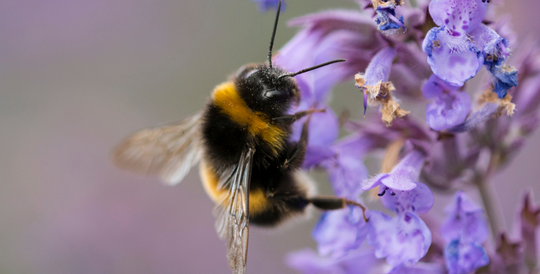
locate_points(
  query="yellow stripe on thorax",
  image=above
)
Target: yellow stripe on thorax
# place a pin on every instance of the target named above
(258, 202)
(227, 98)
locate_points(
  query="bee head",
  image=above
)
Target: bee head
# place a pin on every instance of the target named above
(270, 89)
(264, 90)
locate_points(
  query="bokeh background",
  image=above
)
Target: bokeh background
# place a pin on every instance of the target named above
(76, 76)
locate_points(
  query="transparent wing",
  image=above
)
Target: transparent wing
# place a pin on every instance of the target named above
(168, 152)
(232, 214)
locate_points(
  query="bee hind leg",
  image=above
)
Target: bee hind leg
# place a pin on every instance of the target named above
(334, 203)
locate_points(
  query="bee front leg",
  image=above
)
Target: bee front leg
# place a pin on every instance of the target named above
(298, 152)
(290, 119)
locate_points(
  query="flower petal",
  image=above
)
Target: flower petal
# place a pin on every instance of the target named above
(405, 174)
(337, 233)
(435, 86)
(465, 221)
(374, 181)
(489, 41)
(464, 257)
(483, 114)
(448, 110)
(419, 199)
(460, 16)
(404, 239)
(378, 69)
(346, 174)
(453, 58)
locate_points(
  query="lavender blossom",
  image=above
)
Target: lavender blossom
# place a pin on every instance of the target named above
(340, 231)
(464, 230)
(461, 44)
(450, 107)
(404, 176)
(451, 54)
(345, 168)
(457, 48)
(376, 88)
(403, 239)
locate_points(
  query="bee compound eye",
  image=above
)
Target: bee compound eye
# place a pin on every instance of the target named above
(277, 95)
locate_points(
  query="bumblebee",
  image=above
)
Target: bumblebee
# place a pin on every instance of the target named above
(248, 166)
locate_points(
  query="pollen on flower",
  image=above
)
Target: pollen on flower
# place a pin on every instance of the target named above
(381, 93)
(488, 96)
(436, 44)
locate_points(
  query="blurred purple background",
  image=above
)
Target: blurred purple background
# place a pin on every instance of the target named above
(78, 76)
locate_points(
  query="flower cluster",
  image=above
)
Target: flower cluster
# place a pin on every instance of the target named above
(404, 54)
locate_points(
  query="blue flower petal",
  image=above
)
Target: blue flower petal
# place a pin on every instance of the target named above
(435, 87)
(404, 239)
(463, 258)
(454, 59)
(465, 221)
(419, 199)
(506, 78)
(459, 16)
(448, 110)
(338, 232)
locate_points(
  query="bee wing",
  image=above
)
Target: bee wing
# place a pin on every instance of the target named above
(168, 152)
(232, 214)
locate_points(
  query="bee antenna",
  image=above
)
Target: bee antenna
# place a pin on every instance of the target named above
(273, 34)
(311, 68)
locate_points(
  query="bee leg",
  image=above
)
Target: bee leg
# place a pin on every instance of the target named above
(333, 203)
(290, 119)
(298, 151)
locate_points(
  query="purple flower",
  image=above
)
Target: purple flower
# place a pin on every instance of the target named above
(418, 200)
(453, 58)
(462, 258)
(404, 176)
(505, 78)
(495, 51)
(450, 107)
(376, 88)
(346, 168)
(465, 220)
(483, 114)
(491, 105)
(464, 230)
(403, 239)
(340, 231)
(460, 16)
(265, 5)
(461, 44)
